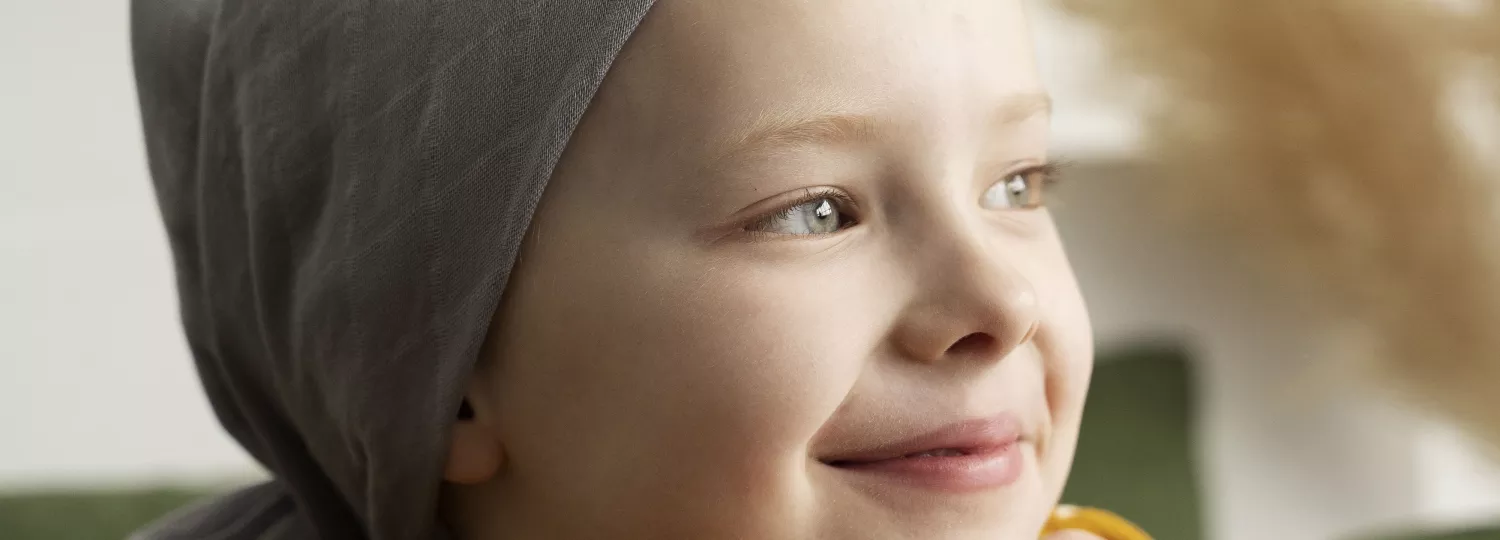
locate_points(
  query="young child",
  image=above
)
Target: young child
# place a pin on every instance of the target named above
(792, 278)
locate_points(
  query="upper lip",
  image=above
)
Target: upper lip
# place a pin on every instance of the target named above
(968, 436)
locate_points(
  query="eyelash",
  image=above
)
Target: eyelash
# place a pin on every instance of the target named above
(814, 194)
(845, 203)
(1050, 172)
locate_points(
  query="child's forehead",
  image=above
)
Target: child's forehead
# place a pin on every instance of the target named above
(714, 68)
(779, 41)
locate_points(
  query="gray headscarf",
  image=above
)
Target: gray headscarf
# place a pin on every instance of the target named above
(345, 185)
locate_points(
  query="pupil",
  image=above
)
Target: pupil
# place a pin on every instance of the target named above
(1017, 185)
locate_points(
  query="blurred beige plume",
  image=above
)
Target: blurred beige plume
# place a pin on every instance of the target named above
(1322, 135)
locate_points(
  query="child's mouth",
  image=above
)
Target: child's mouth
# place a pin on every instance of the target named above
(939, 453)
(964, 457)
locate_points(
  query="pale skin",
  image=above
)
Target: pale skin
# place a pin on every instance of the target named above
(784, 229)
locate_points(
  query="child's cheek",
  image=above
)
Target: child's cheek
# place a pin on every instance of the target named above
(1065, 341)
(778, 354)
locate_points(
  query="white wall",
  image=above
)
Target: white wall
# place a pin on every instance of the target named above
(96, 384)
(95, 381)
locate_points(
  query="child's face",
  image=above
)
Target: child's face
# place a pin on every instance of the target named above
(791, 238)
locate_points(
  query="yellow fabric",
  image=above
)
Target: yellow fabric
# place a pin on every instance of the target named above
(1100, 522)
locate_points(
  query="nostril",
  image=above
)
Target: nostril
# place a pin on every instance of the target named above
(978, 343)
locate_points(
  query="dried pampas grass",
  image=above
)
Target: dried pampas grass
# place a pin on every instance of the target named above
(1320, 133)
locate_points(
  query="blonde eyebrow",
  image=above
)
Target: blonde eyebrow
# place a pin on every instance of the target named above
(835, 129)
(1021, 107)
(823, 130)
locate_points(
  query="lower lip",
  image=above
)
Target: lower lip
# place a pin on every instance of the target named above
(977, 471)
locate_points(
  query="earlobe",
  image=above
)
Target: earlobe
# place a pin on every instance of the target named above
(474, 450)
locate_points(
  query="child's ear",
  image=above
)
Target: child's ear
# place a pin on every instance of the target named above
(474, 450)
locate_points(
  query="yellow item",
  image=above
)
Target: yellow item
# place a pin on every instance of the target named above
(1093, 520)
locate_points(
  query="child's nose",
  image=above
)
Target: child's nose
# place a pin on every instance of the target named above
(972, 306)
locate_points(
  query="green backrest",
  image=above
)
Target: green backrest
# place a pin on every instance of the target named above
(1135, 451)
(85, 515)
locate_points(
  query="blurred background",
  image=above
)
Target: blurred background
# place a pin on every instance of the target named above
(1205, 420)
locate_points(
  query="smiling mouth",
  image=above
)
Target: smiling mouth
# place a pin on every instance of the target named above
(964, 457)
(939, 453)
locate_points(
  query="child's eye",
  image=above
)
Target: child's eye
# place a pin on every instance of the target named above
(1021, 190)
(818, 214)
